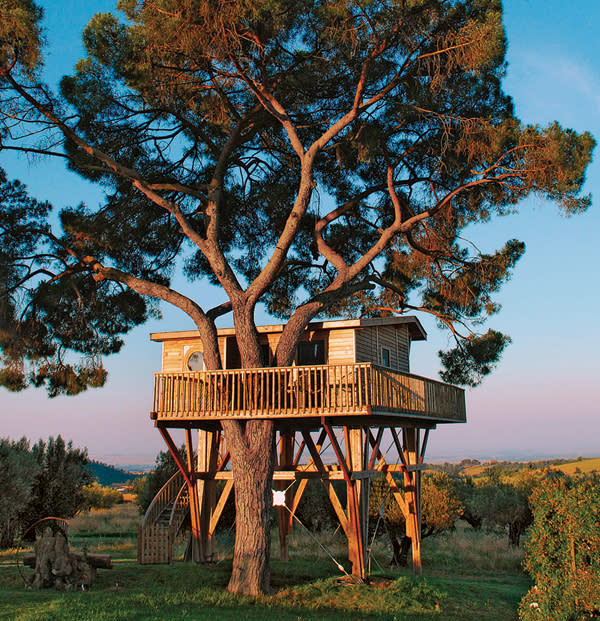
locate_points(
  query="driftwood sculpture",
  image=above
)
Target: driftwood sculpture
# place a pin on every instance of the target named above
(56, 565)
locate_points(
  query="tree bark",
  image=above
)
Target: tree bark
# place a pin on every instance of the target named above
(252, 449)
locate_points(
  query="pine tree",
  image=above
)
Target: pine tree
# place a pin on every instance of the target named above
(320, 157)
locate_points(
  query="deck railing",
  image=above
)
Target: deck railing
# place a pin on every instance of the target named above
(325, 390)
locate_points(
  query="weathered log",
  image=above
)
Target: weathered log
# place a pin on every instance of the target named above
(55, 565)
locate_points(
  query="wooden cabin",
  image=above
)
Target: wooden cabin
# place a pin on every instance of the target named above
(345, 368)
(383, 341)
(349, 388)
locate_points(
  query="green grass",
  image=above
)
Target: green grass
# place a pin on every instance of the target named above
(467, 575)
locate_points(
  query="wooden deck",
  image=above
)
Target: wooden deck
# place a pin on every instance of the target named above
(304, 391)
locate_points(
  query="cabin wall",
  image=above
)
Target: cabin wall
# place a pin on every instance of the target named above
(172, 358)
(175, 353)
(342, 346)
(370, 342)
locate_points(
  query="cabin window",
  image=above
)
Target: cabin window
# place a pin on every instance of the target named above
(385, 357)
(311, 353)
(195, 361)
(265, 355)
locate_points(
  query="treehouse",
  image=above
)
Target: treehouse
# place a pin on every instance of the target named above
(348, 409)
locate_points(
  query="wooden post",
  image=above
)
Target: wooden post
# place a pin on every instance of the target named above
(196, 538)
(412, 495)
(357, 502)
(286, 461)
(206, 459)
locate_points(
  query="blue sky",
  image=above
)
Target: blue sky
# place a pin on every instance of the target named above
(544, 397)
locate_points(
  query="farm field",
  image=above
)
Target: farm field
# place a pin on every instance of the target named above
(582, 466)
(467, 575)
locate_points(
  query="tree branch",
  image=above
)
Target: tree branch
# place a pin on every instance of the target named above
(205, 324)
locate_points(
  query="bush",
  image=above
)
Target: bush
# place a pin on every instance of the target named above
(563, 551)
(96, 496)
(138, 486)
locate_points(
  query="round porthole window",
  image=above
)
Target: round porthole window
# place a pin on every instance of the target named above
(195, 361)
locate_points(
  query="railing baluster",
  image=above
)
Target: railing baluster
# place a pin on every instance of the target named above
(298, 390)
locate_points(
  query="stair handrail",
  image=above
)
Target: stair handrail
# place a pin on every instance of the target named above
(162, 498)
(179, 509)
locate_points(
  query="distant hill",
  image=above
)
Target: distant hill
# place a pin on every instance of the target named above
(475, 468)
(581, 465)
(109, 475)
(568, 466)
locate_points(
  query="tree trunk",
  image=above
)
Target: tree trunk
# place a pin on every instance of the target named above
(514, 534)
(251, 445)
(252, 448)
(474, 521)
(56, 566)
(400, 551)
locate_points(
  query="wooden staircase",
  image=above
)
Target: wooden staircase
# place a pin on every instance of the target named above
(163, 521)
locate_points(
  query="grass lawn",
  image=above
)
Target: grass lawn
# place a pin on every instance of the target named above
(467, 575)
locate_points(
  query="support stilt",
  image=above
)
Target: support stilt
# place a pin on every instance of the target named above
(207, 453)
(360, 456)
(412, 495)
(358, 502)
(286, 458)
(196, 535)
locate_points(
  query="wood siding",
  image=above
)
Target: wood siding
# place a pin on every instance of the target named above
(343, 346)
(172, 356)
(396, 339)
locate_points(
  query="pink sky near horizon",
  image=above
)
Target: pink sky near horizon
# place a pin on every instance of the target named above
(543, 398)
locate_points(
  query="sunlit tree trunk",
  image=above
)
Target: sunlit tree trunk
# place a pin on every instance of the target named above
(252, 448)
(252, 457)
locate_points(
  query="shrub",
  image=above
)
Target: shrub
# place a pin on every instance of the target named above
(563, 551)
(96, 496)
(315, 510)
(138, 486)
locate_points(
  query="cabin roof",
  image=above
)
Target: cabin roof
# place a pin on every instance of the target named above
(417, 332)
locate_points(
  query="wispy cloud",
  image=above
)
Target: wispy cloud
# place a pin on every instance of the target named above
(554, 85)
(579, 77)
